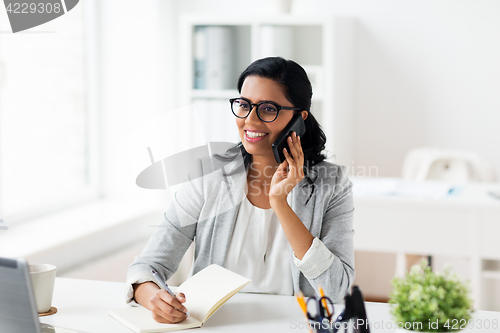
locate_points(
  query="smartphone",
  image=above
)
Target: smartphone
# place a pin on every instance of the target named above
(296, 125)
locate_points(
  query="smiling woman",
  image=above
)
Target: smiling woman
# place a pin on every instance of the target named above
(286, 226)
(293, 89)
(271, 104)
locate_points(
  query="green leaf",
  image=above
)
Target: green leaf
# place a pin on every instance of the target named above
(425, 296)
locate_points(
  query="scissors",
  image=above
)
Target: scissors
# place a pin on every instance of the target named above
(321, 313)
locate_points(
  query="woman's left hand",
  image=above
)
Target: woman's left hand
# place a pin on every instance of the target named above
(289, 173)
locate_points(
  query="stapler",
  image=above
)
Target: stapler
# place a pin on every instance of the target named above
(355, 311)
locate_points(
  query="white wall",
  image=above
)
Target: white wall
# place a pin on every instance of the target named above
(426, 74)
(137, 58)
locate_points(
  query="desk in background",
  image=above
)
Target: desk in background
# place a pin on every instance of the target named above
(84, 304)
(465, 223)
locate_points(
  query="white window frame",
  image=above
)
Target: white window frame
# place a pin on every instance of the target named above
(93, 191)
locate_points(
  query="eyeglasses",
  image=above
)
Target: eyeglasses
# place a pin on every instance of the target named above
(267, 111)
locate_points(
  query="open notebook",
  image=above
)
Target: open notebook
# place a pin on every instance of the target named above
(206, 292)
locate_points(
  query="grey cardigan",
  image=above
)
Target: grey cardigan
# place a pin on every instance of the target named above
(206, 207)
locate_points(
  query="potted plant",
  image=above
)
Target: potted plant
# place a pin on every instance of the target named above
(425, 301)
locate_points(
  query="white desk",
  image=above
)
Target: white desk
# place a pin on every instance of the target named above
(466, 224)
(83, 305)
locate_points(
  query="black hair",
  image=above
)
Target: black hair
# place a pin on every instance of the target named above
(298, 91)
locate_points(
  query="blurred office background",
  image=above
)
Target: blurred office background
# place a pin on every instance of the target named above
(79, 97)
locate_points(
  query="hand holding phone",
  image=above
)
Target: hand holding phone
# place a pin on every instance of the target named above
(296, 125)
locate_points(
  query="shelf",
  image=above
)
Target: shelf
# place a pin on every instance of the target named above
(214, 93)
(277, 19)
(493, 275)
(230, 93)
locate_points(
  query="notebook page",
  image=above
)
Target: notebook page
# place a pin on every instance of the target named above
(139, 320)
(207, 288)
(221, 302)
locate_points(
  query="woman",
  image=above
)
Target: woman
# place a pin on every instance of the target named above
(287, 227)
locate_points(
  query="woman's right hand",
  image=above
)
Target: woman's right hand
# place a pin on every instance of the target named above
(164, 307)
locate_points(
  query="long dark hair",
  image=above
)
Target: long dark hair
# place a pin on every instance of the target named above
(298, 91)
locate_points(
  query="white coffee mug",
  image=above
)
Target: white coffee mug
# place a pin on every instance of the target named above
(43, 277)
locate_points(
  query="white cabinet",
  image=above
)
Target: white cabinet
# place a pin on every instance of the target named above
(214, 50)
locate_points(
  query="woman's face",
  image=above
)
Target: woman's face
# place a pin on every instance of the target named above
(257, 89)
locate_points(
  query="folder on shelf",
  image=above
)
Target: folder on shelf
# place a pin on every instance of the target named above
(219, 58)
(199, 39)
(276, 41)
(213, 57)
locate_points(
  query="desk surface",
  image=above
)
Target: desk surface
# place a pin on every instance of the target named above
(84, 304)
(397, 191)
(399, 216)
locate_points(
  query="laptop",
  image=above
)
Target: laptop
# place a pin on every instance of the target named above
(17, 302)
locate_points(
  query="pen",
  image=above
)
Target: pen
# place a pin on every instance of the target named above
(303, 306)
(325, 305)
(164, 285)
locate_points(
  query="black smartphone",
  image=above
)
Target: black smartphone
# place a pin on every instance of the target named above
(296, 125)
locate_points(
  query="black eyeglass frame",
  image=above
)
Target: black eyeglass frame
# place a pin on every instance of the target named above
(252, 105)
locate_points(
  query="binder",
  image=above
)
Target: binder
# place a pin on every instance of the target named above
(276, 41)
(199, 38)
(219, 58)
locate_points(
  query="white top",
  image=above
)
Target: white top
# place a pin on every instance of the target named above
(259, 250)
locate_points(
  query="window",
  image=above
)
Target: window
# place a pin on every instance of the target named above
(46, 156)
